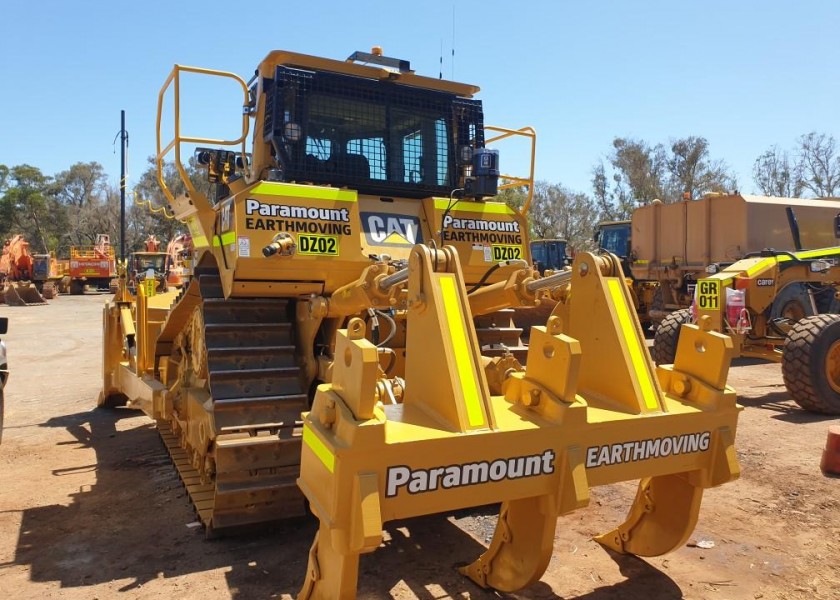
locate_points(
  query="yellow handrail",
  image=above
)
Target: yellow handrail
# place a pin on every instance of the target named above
(178, 139)
(512, 181)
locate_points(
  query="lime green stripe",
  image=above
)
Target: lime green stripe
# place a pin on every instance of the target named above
(491, 208)
(227, 238)
(319, 448)
(804, 255)
(199, 241)
(466, 372)
(760, 266)
(292, 190)
(633, 344)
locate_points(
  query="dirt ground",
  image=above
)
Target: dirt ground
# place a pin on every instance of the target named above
(90, 507)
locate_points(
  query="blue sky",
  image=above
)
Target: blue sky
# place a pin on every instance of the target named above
(745, 75)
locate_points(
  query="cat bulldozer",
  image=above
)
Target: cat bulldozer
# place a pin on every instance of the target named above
(360, 225)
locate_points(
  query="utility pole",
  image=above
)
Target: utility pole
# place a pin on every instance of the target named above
(123, 144)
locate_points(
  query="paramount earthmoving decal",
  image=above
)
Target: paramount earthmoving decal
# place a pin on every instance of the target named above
(481, 231)
(615, 454)
(386, 229)
(296, 219)
(417, 481)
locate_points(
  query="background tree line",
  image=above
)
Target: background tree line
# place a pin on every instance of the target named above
(73, 206)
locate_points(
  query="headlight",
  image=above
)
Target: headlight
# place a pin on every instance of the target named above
(292, 131)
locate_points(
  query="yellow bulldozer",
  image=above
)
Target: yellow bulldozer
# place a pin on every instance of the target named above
(361, 225)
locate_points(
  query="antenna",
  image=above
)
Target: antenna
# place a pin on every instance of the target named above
(453, 40)
(440, 71)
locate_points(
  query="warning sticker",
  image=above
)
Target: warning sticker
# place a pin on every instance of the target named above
(244, 243)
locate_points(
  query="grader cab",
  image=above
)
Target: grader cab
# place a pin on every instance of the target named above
(340, 341)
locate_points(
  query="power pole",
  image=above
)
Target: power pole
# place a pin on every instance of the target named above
(123, 144)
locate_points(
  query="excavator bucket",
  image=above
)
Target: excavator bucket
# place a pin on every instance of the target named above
(590, 409)
(21, 293)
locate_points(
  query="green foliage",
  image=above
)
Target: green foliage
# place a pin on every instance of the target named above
(29, 207)
(556, 213)
(637, 173)
(72, 208)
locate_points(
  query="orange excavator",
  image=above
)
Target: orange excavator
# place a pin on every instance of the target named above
(16, 274)
(179, 261)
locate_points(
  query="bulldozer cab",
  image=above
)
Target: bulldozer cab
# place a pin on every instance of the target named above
(148, 265)
(351, 160)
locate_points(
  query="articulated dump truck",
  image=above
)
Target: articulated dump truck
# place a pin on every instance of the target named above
(359, 226)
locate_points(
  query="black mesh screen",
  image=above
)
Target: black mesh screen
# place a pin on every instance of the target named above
(378, 137)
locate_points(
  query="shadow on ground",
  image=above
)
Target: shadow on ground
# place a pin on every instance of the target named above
(130, 527)
(785, 408)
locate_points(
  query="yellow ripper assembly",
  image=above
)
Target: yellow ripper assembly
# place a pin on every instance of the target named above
(588, 410)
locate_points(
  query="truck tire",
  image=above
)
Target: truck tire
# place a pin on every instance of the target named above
(668, 335)
(77, 288)
(792, 303)
(656, 308)
(811, 363)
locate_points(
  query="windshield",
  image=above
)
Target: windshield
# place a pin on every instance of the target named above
(146, 262)
(377, 137)
(616, 239)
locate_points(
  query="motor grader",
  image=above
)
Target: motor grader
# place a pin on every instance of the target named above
(361, 225)
(670, 245)
(759, 302)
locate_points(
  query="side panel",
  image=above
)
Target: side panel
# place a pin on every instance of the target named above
(483, 233)
(697, 234)
(644, 238)
(672, 233)
(768, 224)
(727, 229)
(324, 223)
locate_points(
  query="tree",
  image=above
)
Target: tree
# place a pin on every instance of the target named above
(692, 173)
(818, 166)
(83, 190)
(28, 208)
(775, 175)
(557, 212)
(81, 184)
(637, 173)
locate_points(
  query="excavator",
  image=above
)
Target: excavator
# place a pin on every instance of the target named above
(179, 260)
(17, 274)
(361, 223)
